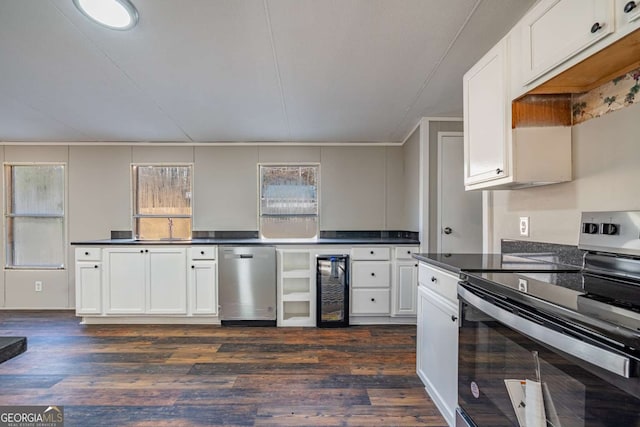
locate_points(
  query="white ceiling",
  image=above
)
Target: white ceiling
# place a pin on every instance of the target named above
(241, 70)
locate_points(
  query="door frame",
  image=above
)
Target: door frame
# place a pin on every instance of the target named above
(441, 136)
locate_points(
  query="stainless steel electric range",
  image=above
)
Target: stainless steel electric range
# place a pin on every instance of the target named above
(556, 348)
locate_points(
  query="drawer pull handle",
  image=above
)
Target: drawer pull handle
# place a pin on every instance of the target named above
(373, 300)
(372, 252)
(629, 6)
(373, 274)
(95, 266)
(141, 251)
(193, 266)
(454, 318)
(433, 279)
(201, 252)
(408, 252)
(86, 253)
(595, 28)
(146, 250)
(499, 171)
(416, 265)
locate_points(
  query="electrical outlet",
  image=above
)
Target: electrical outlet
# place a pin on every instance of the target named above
(523, 285)
(38, 286)
(523, 225)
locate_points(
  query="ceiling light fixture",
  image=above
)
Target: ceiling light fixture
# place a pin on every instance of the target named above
(113, 14)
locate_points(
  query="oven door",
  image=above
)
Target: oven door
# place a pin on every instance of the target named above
(515, 369)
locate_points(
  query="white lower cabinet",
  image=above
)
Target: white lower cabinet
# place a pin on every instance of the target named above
(203, 297)
(181, 282)
(167, 281)
(145, 280)
(437, 350)
(124, 281)
(370, 282)
(404, 281)
(437, 336)
(404, 297)
(88, 287)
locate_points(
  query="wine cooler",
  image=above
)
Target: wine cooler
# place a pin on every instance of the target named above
(332, 285)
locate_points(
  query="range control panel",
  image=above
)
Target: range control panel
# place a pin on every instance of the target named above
(603, 228)
(611, 231)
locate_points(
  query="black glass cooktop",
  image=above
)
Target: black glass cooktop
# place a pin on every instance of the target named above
(610, 307)
(495, 262)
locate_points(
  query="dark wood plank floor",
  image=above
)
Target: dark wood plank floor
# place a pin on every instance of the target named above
(159, 375)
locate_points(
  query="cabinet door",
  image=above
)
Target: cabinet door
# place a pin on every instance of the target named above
(627, 14)
(203, 296)
(437, 351)
(405, 289)
(557, 30)
(167, 283)
(125, 280)
(88, 288)
(487, 121)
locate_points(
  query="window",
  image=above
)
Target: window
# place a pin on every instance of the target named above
(289, 201)
(34, 215)
(162, 201)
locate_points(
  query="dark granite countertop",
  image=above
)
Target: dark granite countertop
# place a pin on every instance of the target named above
(457, 263)
(253, 242)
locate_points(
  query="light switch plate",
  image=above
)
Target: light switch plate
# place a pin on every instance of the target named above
(523, 225)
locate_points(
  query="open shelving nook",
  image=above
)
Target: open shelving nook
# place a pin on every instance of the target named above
(296, 287)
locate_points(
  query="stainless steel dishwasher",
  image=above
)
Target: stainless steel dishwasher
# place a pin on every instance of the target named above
(247, 285)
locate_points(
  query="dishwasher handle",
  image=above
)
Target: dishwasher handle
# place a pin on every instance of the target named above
(238, 256)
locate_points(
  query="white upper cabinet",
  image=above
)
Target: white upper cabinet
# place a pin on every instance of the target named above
(627, 14)
(557, 30)
(495, 155)
(487, 118)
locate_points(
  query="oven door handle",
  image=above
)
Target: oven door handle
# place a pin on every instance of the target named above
(612, 362)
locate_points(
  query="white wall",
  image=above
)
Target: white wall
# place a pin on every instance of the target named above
(362, 188)
(606, 173)
(411, 181)
(352, 190)
(225, 188)
(99, 191)
(395, 189)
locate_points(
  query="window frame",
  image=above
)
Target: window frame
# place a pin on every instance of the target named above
(318, 198)
(134, 192)
(8, 192)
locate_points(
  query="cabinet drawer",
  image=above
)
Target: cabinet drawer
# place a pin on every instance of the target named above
(88, 254)
(442, 282)
(203, 252)
(370, 301)
(371, 254)
(404, 252)
(372, 274)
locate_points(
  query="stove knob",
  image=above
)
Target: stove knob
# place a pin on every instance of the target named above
(609, 229)
(589, 228)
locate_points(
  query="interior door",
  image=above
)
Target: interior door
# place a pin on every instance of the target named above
(459, 211)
